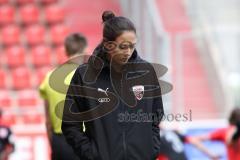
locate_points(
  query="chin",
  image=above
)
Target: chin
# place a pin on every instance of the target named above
(122, 62)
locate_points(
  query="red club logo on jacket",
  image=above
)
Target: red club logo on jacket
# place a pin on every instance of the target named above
(138, 91)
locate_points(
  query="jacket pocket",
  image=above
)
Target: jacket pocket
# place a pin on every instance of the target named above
(89, 151)
(95, 150)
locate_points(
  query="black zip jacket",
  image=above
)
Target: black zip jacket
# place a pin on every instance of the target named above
(120, 123)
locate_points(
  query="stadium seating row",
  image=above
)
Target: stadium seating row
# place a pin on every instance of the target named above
(22, 78)
(33, 35)
(23, 2)
(38, 56)
(31, 14)
(33, 118)
(23, 98)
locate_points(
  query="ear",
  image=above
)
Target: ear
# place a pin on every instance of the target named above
(104, 42)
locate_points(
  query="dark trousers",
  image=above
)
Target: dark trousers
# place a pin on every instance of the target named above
(61, 150)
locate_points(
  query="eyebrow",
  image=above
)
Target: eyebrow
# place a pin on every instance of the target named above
(128, 42)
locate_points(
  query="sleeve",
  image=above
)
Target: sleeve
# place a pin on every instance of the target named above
(73, 130)
(155, 125)
(218, 135)
(183, 138)
(43, 87)
(158, 111)
(10, 139)
(236, 135)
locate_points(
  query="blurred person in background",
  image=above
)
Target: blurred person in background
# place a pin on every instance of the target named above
(75, 45)
(6, 146)
(172, 145)
(229, 135)
(100, 92)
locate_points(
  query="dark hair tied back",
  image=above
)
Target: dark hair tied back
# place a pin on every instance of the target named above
(107, 15)
(114, 26)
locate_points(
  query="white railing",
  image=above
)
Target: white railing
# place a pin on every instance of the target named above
(216, 24)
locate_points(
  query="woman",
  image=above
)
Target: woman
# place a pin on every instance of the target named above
(118, 98)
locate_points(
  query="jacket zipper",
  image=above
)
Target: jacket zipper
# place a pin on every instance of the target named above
(124, 145)
(124, 134)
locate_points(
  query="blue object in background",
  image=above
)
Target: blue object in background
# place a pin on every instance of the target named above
(216, 147)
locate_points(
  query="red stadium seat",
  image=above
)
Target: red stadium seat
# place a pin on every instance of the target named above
(3, 2)
(8, 119)
(54, 14)
(2, 57)
(5, 99)
(3, 79)
(26, 98)
(24, 2)
(29, 14)
(58, 34)
(32, 118)
(15, 56)
(41, 56)
(47, 2)
(35, 34)
(21, 78)
(41, 73)
(7, 14)
(61, 56)
(10, 35)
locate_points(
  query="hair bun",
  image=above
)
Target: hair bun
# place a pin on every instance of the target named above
(107, 15)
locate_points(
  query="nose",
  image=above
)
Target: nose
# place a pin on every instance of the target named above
(127, 53)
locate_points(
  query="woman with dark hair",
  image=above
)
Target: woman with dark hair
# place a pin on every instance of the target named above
(116, 95)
